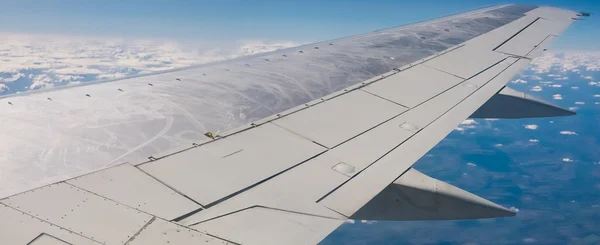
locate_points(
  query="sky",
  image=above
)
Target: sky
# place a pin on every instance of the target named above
(221, 23)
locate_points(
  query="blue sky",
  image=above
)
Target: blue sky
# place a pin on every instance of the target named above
(230, 20)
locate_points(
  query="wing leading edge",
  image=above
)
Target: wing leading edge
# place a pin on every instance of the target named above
(295, 176)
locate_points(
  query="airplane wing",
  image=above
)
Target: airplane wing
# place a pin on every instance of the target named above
(275, 148)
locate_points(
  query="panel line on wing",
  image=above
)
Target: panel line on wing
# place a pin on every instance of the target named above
(514, 35)
(419, 130)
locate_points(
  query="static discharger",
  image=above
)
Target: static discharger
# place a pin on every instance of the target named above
(150, 84)
(211, 135)
(177, 79)
(88, 95)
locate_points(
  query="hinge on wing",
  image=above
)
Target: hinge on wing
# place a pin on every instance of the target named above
(211, 135)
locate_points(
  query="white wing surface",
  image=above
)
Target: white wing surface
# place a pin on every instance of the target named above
(276, 148)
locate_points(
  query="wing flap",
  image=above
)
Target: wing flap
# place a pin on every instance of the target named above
(259, 225)
(128, 185)
(214, 171)
(17, 227)
(355, 193)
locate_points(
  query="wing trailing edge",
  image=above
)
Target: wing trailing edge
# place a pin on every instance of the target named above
(416, 196)
(509, 103)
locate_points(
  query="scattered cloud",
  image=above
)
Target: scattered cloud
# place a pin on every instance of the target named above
(536, 88)
(531, 126)
(498, 145)
(561, 78)
(557, 97)
(568, 132)
(574, 88)
(534, 140)
(556, 85)
(44, 61)
(470, 164)
(514, 209)
(519, 81)
(587, 77)
(596, 95)
(468, 122)
(528, 240)
(580, 103)
(368, 222)
(593, 83)
(566, 159)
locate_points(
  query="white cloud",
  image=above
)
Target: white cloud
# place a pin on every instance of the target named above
(514, 209)
(470, 164)
(3, 87)
(554, 75)
(587, 77)
(534, 140)
(580, 103)
(592, 83)
(536, 88)
(568, 132)
(566, 159)
(368, 222)
(557, 97)
(534, 77)
(561, 62)
(561, 78)
(519, 81)
(459, 129)
(528, 240)
(574, 88)
(531, 126)
(42, 61)
(597, 95)
(556, 85)
(468, 122)
(350, 221)
(498, 145)
(573, 108)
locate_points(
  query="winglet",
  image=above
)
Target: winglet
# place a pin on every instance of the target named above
(509, 103)
(416, 196)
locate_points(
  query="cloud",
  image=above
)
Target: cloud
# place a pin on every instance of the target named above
(596, 95)
(536, 88)
(561, 62)
(468, 122)
(557, 97)
(3, 87)
(561, 78)
(459, 129)
(514, 209)
(587, 77)
(574, 88)
(368, 222)
(592, 83)
(556, 85)
(568, 132)
(519, 81)
(579, 103)
(528, 240)
(566, 159)
(531, 126)
(534, 140)
(350, 221)
(470, 164)
(573, 108)
(43, 61)
(534, 77)
(498, 145)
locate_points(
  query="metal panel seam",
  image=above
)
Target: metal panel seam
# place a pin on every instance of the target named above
(51, 224)
(333, 190)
